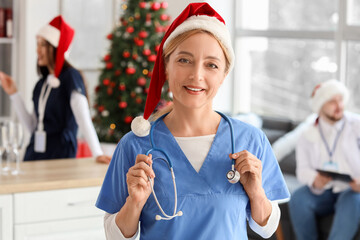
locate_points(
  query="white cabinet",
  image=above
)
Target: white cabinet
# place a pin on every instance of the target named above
(58, 214)
(6, 217)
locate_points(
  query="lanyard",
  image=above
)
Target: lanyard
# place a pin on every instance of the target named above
(44, 95)
(331, 152)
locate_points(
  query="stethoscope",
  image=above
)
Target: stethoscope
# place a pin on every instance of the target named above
(232, 175)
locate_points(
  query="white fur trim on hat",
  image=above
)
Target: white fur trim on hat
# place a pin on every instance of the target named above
(140, 126)
(51, 34)
(210, 24)
(53, 81)
(325, 91)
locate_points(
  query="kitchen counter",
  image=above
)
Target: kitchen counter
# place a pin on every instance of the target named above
(54, 174)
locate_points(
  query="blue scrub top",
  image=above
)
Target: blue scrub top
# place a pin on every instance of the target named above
(59, 121)
(212, 207)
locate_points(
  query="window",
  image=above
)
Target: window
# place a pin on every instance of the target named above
(285, 47)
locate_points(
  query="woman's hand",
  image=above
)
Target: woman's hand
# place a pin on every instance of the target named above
(137, 179)
(250, 169)
(7, 83)
(103, 159)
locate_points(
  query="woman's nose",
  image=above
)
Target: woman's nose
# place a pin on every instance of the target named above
(197, 72)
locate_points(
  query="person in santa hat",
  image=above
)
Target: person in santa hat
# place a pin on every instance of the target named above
(331, 144)
(60, 102)
(185, 156)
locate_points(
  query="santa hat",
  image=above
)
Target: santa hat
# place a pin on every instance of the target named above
(194, 16)
(60, 35)
(323, 92)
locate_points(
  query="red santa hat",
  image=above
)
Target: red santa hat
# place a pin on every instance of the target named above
(60, 35)
(194, 16)
(323, 92)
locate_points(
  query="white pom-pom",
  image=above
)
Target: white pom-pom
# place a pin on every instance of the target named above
(140, 126)
(53, 81)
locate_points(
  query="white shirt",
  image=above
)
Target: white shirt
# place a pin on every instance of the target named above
(196, 149)
(312, 154)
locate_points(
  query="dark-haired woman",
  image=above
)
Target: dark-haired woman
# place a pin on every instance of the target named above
(59, 97)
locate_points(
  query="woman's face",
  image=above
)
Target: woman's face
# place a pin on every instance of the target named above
(196, 70)
(42, 50)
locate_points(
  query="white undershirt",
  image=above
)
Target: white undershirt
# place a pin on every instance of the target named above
(80, 109)
(196, 150)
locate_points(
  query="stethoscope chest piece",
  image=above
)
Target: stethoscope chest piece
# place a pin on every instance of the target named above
(233, 176)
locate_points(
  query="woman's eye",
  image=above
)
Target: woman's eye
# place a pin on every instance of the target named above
(214, 66)
(183, 60)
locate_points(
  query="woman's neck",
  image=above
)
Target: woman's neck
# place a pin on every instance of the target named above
(191, 123)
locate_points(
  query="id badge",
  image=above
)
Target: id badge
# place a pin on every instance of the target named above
(40, 141)
(331, 166)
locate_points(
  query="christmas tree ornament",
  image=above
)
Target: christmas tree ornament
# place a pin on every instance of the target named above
(142, 5)
(155, 6)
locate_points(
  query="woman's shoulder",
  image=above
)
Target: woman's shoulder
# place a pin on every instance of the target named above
(70, 73)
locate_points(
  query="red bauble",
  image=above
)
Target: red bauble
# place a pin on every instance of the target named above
(130, 29)
(126, 54)
(163, 17)
(143, 34)
(138, 100)
(109, 65)
(122, 87)
(155, 6)
(101, 108)
(135, 56)
(117, 72)
(149, 74)
(109, 91)
(159, 29)
(146, 52)
(164, 5)
(107, 57)
(141, 81)
(109, 36)
(97, 88)
(106, 82)
(146, 90)
(142, 5)
(122, 105)
(112, 84)
(139, 42)
(130, 70)
(152, 58)
(157, 48)
(128, 119)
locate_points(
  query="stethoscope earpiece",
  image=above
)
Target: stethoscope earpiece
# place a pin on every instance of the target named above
(233, 176)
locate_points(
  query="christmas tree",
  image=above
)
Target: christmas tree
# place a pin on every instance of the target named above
(123, 84)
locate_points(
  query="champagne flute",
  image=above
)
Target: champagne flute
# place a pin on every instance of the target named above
(5, 147)
(3, 144)
(17, 140)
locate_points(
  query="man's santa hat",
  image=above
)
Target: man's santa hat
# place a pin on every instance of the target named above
(194, 16)
(323, 92)
(60, 35)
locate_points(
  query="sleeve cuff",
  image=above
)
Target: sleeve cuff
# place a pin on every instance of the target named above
(268, 230)
(112, 231)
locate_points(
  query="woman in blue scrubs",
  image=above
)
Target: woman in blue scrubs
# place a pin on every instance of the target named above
(59, 97)
(195, 57)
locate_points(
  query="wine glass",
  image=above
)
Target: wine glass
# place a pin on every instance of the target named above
(16, 142)
(3, 144)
